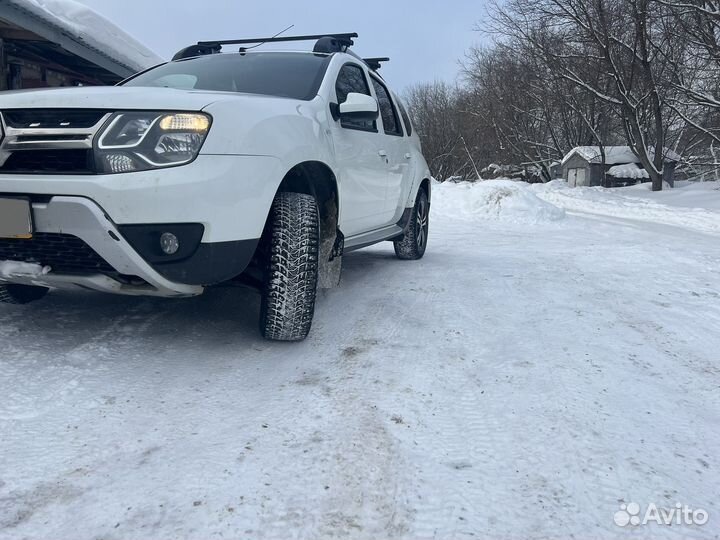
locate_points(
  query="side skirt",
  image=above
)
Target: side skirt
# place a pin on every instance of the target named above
(392, 232)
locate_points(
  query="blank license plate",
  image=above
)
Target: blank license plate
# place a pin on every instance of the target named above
(15, 218)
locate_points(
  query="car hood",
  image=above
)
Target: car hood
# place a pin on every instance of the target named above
(113, 98)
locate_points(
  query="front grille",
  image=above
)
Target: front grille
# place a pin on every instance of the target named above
(50, 138)
(75, 161)
(49, 141)
(64, 253)
(52, 118)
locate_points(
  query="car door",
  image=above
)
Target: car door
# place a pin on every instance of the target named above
(361, 160)
(395, 146)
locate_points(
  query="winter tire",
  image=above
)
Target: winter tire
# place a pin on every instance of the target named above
(291, 268)
(411, 246)
(21, 294)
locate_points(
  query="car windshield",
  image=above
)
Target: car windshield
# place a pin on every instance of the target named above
(291, 75)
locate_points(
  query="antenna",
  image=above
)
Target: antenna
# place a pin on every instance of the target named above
(243, 49)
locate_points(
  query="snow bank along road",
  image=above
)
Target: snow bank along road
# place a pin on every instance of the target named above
(534, 372)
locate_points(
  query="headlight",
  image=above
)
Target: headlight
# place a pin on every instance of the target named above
(138, 141)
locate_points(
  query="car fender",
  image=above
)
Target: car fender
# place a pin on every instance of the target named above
(292, 131)
(422, 173)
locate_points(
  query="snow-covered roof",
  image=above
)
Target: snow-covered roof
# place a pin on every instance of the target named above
(82, 31)
(614, 155)
(628, 170)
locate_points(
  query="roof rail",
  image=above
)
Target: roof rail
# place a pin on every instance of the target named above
(325, 43)
(246, 41)
(196, 50)
(375, 63)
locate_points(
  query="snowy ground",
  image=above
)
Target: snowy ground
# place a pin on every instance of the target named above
(535, 371)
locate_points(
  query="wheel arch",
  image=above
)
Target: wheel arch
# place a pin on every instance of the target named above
(317, 179)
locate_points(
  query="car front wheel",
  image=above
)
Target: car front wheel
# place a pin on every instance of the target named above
(291, 267)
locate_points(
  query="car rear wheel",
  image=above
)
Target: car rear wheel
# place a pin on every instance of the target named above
(21, 294)
(291, 247)
(412, 245)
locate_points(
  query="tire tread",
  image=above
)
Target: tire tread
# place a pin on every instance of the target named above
(288, 303)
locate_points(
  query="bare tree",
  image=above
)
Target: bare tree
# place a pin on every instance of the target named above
(566, 73)
(617, 50)
(433, 107)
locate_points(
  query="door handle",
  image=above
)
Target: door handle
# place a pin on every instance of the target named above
(382, 153)
(408, 156)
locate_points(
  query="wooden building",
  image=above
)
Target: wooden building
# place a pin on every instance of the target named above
(64, 43)
(584, 166)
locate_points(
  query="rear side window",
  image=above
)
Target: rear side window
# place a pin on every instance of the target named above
(390, 119)
(352, 79)
(405, 117)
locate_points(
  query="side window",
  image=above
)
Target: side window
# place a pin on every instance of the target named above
(352, 79)
(387, 109)
(405, 117)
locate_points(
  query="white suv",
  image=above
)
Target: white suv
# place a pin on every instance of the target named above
(252, 167)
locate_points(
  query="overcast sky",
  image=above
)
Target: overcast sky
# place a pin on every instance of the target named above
(424, 38)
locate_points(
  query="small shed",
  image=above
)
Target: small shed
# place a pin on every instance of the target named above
(583, 166)
(64, 43)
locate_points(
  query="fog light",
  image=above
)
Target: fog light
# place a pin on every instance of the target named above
(169, 243)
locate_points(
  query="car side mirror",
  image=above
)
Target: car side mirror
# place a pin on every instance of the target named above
(359, 107)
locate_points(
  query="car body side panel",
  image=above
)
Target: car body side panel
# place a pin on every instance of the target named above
(363, 159)
(293, 132)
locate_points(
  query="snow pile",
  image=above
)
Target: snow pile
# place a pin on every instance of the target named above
(499, 200)
(628, 170)
(86, 26)
(689, 207)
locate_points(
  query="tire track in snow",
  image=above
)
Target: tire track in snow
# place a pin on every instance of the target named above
(368, 463)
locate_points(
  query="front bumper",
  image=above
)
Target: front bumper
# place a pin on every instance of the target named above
(229, 196)
(85, 220)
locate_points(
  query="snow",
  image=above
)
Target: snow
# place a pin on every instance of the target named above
(85, 25)
(614, 154)
(521, 381)
(636, 203)
(699, 195)
(14, 269)
(499, 200)
(628, 170)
